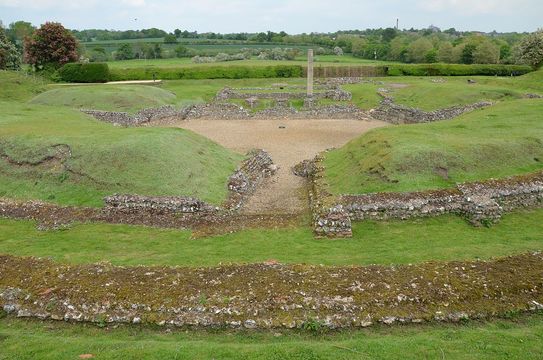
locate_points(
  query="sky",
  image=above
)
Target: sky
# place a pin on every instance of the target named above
(292, 16)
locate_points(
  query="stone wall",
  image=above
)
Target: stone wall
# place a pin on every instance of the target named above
(481, 203)
(270, 295)
(330, 92)
(248, 177)
(172, 204)
(400, 114)
(141, 117)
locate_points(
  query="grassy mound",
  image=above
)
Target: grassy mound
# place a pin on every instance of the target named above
(15, 86)
(63, 156)
(130, 98)
(503, 140)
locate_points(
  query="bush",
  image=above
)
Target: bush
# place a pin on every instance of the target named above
(85, 73)
(208, 72)
(456, 70)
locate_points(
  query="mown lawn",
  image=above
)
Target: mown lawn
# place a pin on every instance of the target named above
(518, 338)
(397, 242)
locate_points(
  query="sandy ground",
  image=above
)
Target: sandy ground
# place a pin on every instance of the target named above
(298, 141)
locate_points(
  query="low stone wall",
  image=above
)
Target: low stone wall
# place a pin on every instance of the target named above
(248, 177)
(270, 295)
(331, 92)
(481, 203)
(173, 204)
(141, 117)
(399, 114)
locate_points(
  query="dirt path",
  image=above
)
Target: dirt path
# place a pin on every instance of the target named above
(298, 140)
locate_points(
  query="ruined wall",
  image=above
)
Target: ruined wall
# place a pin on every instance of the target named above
(270, 295)
(481, 203)
(399, 114)
(141, 117)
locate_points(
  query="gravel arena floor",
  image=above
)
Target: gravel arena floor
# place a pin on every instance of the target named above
(288, 142)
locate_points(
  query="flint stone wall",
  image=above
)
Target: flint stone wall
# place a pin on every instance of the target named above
(248, 177)
(141, 117)
(482, 203)
(400, 114)
(333, 93)
(173, 204)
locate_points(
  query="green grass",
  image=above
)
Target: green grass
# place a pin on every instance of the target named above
(505, 139)
(518, 338)
(146, 161)
(18, 87)
(321, 60)
(398, 242)
(128, 98)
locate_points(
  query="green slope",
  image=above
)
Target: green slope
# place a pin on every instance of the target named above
(503, 140)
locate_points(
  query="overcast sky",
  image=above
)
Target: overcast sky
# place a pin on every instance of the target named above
(292, 16)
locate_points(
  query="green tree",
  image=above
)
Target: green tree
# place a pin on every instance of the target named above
(486, 53)
(445, 53)
(531, 49)
(177, 33)
(389, 34)
(19, 30)
(10, 59)
(170, 39)
(124, 52)
(419, 49)
(467, 53)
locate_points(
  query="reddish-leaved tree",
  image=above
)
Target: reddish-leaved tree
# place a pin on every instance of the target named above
(50, 45)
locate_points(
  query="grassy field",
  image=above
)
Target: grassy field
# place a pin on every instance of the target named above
(104, 159)
(505, 139)
(321, 60)
(397, 242)
(517, 338)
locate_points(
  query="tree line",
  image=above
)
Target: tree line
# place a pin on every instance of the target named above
(53, 44)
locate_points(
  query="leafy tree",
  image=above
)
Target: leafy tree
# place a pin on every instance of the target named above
(531, 49)
(486, 53)
(10, 58)
(467, 53)
(170, 39)
(19, 30)
(50, 45)
(338, 51)
(389, 34)
(445, 53)
(419, 49)
(124, 52)
(177, 33)
(358, 46)
(431, 56)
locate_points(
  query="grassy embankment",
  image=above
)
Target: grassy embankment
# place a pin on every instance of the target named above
(104, 159)
(505, 139)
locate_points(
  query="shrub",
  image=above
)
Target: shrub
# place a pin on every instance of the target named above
(456, 70)
(9, 55)
(85, 73)
(208, 72)
(531, 49)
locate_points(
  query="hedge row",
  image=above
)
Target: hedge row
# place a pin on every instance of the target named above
(457, 70)
(208, 72)
(100, 72)
(85, 73)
